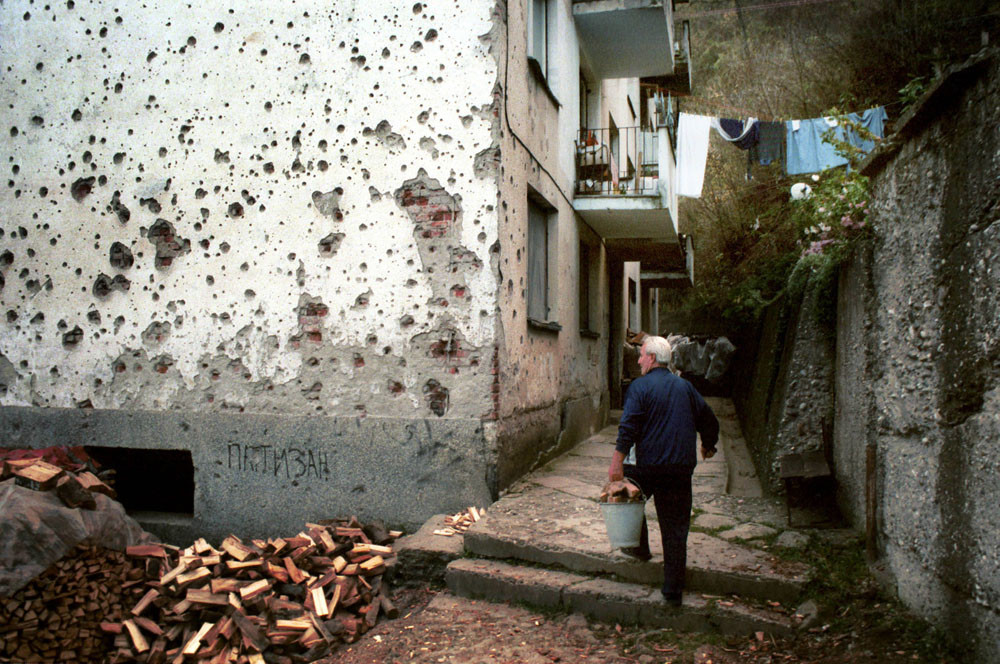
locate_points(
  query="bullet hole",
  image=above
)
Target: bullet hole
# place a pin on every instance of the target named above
(417, 8)
(423, 117)
(120, 256)
(359, 60)
(267, 106)
(358, 361)
(395, 387)
(38, 318)
(384, 133)
(117, 208)
(304, 59)
(72, 338)
(103, 32)
(150, 56)
(77, 115)
(13, 131)
(221, 157)
(386, 53)
(43, 191)
(431, 35)
(416, 47)
(81, 188)
(322, 165)
(210, 280)
(6, 258)
(94, 316)
(406, 321)
(224, 247)
(328, 204)
(329, 245)
(156, 333)
(11, 316)
(436, 396)
(219, 27)
(168, 246)
(152, 204)
(235, 210)
(163, 363)
(249, 294)
(269, 167)
(162, 152)
(118, 158)
(37, 120)
(362, 300)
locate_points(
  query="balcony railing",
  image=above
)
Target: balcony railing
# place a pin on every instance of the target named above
(617, 160)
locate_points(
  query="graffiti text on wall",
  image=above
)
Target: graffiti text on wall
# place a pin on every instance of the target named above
(290, 463)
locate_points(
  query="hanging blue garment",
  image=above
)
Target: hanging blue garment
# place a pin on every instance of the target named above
(807, 151)
(874, 121)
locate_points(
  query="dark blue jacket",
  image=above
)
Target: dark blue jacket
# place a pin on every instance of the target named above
(663, 415)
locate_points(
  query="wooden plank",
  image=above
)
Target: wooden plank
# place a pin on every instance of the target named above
(173, 574)
(148, 625)
(334, 599)
(195, 642)
(249, 631)
(297, 624)
(146, 600)
(41, 473)
(319, 602)
(294, 573)
(241, 564)
(196, 576)
(93, 483)
(143, 550)
(234, 547)
(255, 589)
(227, 585)
(138, 640)
(205, 596)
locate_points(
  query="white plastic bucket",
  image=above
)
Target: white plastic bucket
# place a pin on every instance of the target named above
(623, 522)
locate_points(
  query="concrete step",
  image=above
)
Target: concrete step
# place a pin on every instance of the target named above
(611, 601)
(551, 527)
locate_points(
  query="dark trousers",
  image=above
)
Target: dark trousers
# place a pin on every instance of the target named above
(670, 489)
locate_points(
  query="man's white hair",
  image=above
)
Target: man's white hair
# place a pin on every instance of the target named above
(660, 349)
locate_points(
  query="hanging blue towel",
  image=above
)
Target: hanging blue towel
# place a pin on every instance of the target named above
(771, 145)
(874, 121)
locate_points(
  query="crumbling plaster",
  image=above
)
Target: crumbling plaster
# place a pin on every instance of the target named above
(253, 159)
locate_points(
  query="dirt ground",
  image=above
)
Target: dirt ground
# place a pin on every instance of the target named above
(435, 626)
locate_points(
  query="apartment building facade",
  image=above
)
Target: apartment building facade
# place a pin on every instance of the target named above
(280, 263)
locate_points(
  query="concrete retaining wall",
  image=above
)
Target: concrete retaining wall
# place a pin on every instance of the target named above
(915, 376)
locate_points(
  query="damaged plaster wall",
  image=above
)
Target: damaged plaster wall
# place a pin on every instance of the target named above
(551, 383)
(250, 185)
(249, 208)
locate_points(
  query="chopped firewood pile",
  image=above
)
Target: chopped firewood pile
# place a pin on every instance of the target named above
(294, 598)
(291, 599)
(72, 476)
(621, 491)
(56, 617)
(458, 523)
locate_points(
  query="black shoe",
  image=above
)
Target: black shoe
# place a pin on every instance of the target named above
(673, 599)
(638, 553)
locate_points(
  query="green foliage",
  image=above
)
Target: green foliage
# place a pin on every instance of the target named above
(912, 91)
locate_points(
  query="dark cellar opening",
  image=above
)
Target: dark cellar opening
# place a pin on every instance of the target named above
(150, 480)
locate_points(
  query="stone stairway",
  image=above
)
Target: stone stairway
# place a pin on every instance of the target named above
(544, 544)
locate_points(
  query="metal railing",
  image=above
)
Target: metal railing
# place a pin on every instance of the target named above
(617, 160)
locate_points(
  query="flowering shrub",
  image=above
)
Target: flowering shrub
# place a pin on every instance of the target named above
(835, 214)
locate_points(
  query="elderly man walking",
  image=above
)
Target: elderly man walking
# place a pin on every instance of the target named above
(657, 433)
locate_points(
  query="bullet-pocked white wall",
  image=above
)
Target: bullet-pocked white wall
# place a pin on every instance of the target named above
(250, 207)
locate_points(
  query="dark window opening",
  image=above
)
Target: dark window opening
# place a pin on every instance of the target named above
(150, 480)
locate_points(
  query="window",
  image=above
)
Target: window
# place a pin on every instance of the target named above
(541, 252)
(538, 37)
(633, 307)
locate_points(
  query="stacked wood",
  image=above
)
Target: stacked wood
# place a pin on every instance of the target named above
(74, 487)
(458, 523)
(292, 598)
(58, 616)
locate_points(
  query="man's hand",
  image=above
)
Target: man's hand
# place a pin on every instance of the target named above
(707, 453)
(616, 471)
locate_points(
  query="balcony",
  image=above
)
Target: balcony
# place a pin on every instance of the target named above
(680, 80)
(624, 183)
(626, 38)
